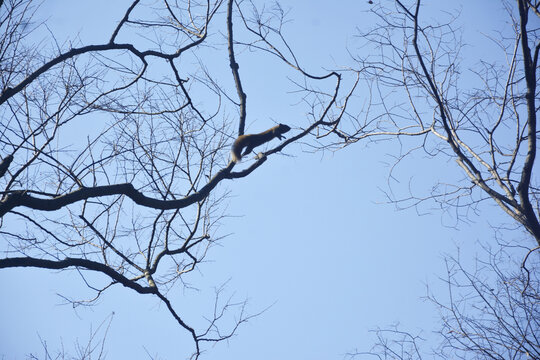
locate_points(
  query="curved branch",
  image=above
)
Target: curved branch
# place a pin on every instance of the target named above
(22, 198)
(182, 323)
(9, 92)
(530, 78)
(465, 162)
(524, 267)
(79, 263)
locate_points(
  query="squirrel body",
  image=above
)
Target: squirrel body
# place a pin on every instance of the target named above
(250, 141)
(4, 164)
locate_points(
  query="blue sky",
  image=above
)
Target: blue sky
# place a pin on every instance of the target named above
(310, 237)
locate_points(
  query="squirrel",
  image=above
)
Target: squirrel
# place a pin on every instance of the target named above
(4, 164)
(251, 141)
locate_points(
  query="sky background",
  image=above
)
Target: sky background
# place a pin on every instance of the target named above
(310, 237)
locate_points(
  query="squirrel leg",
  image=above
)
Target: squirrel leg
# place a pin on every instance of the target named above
(248, 150)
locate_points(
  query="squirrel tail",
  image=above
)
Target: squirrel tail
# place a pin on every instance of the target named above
(236, 156)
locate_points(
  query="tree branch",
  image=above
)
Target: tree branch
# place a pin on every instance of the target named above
(79, 263)
(530, 78)
(234, 68)
(22, 198)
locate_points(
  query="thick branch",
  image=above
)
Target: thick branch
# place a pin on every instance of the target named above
(530, 79)
(234, 68)
(22, 198)
(79, 263)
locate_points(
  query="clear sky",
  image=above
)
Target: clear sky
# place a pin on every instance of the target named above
(310, 237)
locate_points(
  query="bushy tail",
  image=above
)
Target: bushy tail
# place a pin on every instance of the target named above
(236, 156)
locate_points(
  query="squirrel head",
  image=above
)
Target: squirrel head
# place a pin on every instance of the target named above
(283, 128)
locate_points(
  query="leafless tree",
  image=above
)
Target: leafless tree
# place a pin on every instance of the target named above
(420, 90)
(491, 311)
(112, 153)
(92, 348)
